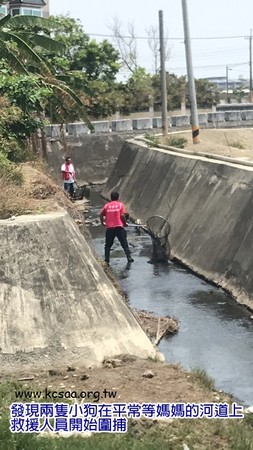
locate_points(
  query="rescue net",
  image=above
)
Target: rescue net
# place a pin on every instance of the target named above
(159, 228)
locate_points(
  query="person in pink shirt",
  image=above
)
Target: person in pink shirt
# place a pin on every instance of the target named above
(113, 216)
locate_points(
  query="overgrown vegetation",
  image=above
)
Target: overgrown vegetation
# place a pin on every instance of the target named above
(28, 86)
(153, 139)
(172, 141)
(175, 141)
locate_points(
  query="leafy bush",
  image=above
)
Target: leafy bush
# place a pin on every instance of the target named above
(154, 140)
(15, 129)
(175, 141)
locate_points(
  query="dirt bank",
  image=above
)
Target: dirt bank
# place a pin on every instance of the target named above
(125, 375)
(137, 381)
(38, 194)
(234, 143)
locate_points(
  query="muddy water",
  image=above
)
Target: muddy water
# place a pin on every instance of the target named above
(215, 333)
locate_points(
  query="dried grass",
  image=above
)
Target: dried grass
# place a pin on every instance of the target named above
(36, 195)
(13, 199)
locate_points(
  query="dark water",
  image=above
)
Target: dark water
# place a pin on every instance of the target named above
(215, 333)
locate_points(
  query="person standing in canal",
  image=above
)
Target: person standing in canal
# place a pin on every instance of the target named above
(113, 216)
(68, 176)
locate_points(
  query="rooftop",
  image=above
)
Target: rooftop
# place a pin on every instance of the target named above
(28, 2)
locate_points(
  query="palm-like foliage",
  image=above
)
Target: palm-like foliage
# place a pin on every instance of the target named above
(19, 37)
(16, 45)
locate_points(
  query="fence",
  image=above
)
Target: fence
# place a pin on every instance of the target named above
(219, 119)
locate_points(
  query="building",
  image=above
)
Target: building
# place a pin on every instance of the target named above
(39, 8)
(3, 10)
(223, 83)
(45, 10)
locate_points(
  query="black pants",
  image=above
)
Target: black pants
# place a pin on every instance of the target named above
(69, 187)
(110, 235)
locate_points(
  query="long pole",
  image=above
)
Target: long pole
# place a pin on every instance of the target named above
(191, 82)
(163, 77)
(227, 82)
(250, 66)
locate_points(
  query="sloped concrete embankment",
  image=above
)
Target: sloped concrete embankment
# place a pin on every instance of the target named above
(209, 204)
(57, 307)
(93, 155)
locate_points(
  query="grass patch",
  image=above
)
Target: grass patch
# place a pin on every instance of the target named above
(174, 141)
(204, 379)
(237, 144)
(154, 140)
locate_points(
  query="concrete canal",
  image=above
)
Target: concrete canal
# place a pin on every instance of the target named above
(216, 334)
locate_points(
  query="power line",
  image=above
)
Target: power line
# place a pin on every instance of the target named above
(124, 71)
(205, 54)
(218, 65)
(168, 38)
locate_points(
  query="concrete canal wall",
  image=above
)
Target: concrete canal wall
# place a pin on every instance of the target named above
(93, 155)
(57, 306)
(209, 204)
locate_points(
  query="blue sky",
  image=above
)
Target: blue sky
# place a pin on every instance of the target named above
(219, 18)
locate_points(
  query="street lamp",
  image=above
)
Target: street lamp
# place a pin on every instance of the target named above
(227, 69)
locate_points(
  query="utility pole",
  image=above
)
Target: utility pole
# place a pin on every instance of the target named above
(227, 82)
(191, 82)
(250, 66)
(163, 77)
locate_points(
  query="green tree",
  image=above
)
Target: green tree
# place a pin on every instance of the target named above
(176, 91)
(27, 96)
(99, 61)
(88, 68)
(15, 127)
(207, 93)
(139, 90)
(95, 61)
(239, 93)
(104, 99)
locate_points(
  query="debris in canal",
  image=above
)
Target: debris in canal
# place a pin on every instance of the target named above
(156, 327)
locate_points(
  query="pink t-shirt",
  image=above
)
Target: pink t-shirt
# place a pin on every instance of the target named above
(112, 212)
